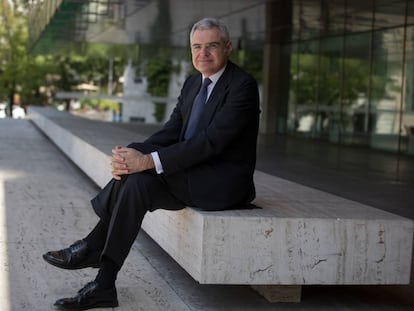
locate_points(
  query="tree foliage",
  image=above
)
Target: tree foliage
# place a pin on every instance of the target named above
(158, 71)
(21, 74)
(12, 51)
(35, 78)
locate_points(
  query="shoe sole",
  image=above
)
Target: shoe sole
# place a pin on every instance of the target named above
(96, 265)
(90, 306)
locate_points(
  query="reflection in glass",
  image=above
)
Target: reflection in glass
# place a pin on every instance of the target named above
(352, 73)
(386, 87)
(304, 71)
(407, 130)
(328, 120)
(358, 118)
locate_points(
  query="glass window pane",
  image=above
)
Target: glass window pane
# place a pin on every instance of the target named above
(306, 19)
(387, 87)
(407, 130)
(389, 13)
(327, 110)
(357, 118)
(305, 87)
(293, 86)
(348, 82)
(359, 15)
(410, 13)
(296, 20)
(332, 17)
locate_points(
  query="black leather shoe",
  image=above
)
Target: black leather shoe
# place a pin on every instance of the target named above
(90, 296)
(76, 256)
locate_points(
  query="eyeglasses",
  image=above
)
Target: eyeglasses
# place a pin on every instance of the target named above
(210, 47)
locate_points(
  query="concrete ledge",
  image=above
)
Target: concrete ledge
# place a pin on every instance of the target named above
(300, 236)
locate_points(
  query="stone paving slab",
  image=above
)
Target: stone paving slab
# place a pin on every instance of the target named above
(44, 204)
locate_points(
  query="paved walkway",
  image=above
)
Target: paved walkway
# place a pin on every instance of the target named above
(44, 204)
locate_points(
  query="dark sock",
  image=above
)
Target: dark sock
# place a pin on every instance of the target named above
(97, 237)
(107, 274)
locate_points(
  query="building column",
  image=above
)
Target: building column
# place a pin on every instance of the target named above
(276, 67)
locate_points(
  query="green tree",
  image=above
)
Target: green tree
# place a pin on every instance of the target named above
(92, 67)
(21, 74)
(12, 51)
(35, 78)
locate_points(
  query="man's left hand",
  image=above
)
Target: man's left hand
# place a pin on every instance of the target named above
(128, 161)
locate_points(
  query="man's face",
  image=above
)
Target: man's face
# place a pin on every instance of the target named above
(209, 52)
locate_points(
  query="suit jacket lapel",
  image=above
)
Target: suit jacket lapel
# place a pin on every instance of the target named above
(215, 98)
(189, 100)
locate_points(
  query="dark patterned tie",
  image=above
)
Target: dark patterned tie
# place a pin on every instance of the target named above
(198, 106)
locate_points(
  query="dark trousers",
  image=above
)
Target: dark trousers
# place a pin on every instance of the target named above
(122, 205)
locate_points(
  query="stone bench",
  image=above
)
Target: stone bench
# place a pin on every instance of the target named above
(299, 236)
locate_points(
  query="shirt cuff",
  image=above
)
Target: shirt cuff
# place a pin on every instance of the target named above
(157, 162)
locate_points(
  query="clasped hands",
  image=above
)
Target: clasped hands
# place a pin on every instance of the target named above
(128, 161)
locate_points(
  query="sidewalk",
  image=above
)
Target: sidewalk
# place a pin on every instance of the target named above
(44, 202)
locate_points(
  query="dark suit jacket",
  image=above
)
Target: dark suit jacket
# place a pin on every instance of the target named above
(219, 160)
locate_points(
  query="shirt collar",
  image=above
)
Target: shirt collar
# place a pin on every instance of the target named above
(214, 78)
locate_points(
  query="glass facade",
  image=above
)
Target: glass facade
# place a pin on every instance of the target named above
(351, 73)
(340, 70)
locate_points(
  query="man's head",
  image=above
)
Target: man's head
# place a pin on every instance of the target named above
(210, 45)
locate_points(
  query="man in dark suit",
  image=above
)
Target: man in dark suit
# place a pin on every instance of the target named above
(204, 157)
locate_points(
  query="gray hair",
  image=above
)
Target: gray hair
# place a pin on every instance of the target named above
(209, 23)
